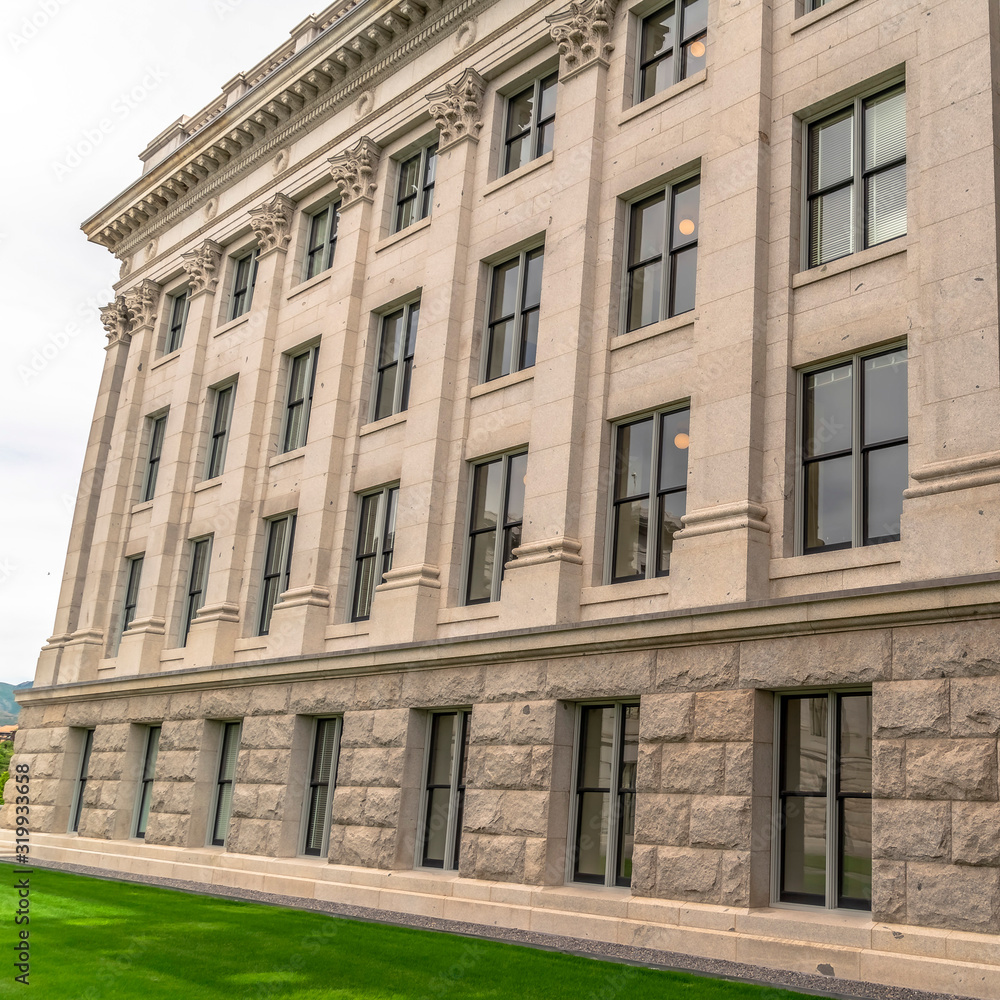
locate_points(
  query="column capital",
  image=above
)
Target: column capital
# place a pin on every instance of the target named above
(581, 31)
(114, 318)
(457, 109)
(354, 171)
(202, 266)
(141, 304)
(271, 223)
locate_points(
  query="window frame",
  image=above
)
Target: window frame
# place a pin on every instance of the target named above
(327, 248)
(407, 347)
(140, 823)
(311, 355)
(859, 478)
(537, 123)
(156, 431)
(426, 158)
(199, 568)
(516, 348)
(176, 325)
(385, 514)
(82, 777)
(677, 75)
(653, 494)
(243, 284)
(283, 571)
(615, 791)
(228, 730)
(224, 399)
(312, 786)
(858, 174)
(456, 792)
(500, 530)
(130, 597)
(833, 864)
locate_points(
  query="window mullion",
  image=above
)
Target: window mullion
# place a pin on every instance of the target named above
(652, 529)
(614, 807)
(666, 258)
(500, 531)
(513, 350)
(858, 182)
(832, 803)
(857, 464)
(397, 389)
(452, 834)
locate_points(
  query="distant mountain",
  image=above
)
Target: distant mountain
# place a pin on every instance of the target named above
(9, 708)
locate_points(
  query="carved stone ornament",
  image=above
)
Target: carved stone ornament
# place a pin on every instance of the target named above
(114, 317)
(457, 110)
(271, 223)
(581, 31)
(202, 266)
(354, 171)
(141, 303)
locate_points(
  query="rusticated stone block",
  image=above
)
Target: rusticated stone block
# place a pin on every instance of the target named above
(168, 829)
(954, 897)
(184, 705)
(99, 823)
(389, 726)
(114, 710)
(910, 708)
(644, 870)
(250, 836)
(888, 770)
(975, 833)
(261, 767)
(113, 738)
(734, 879)
(182, 735)
(975, 706)
(665, 718)
(106, 766)
(499, 767)
(688, 874)
(514, 681)
(269, 699)
(371, 691)
(367, 847)
(699, 768)
(697, 668)
(808, 660)
(540, 868)
(622, 674)
(172, 797)
(83, 715)
(149, 708)
(508, 813)
(175, 765)
(228, 703)
(447, 686)
(46, 765)
(720, 821)
(41, 740)
(381, 807)
(490, 725)
(962, 649)
(663, 819)
(326, 697)
(532, 722)
(724, 715)
(496, 858)
(349, 805)
(889, 891)
(951, 769)
(268, 732)
(911, 830)
(648, 768)
(244, 801)
(739, 769)
(356, 730)
(381, 766)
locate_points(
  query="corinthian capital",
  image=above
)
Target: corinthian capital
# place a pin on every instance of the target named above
(114, 318)
(202, 266)
(581, 31)
(457, 110)
(271, 223)
(354, 171)
(141, 303)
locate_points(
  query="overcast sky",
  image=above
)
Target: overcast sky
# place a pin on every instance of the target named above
(67, 67)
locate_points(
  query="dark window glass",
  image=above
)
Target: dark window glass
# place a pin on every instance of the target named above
(200, 552)
(376, 538)
(131, 594)
(277, 567)
(81, 784)
(415, 190)
(530, 123)
(394, 367)
(515, 301)
(224, 786)
(244, 279)
(660, 63)
(445, 789)
(301, 381)
(221, 420)
(157, 428)
(322, 240)
(146, 782)
(322, 780)
(178, 320)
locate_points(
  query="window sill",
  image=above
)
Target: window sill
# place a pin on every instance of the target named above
(287, 456)
(840, 559)
(250, 643)
(305, 286)
(232, 324)
(609, 592)
(394, 238)
(208, 484)
(494, 385)
(374, 426)
(165, 360)
(469, 613)
(515, 175)
(808, 19)
(347, 630)
(138, 508)
(657, 100)
(653, 330)
(851, 261)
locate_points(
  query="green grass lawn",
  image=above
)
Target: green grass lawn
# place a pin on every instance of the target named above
(92, 939)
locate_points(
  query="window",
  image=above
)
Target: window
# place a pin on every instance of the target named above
(301, 379)
(824, 809)
(221, 420)
(277, 566)
(397, 341)
(854, 462)
(651, 460)
(856, 176)
(322, 779)
(133, 577)
(515, 298)
(81, 781)
(415, 191)
(494, 523)
(146, 782)
(444, 792)
(605, 794)
(244, 279)
(178, 319)
(376, 537)
(662, 254)
(683, 25)
(531, 116)
(157, 427)
(201, 550)
(322, 240)
(224, 785)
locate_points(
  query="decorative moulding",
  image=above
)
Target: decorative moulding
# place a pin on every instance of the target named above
(581, 31)
(202, 266)
(955, 474)
(546, 550)
(457, 110)
(419, 575)
(726, 517)
(272, 223)
(114, 318)
(354, 171)
(141, 303)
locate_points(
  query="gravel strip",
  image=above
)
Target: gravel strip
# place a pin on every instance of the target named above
(817, 985)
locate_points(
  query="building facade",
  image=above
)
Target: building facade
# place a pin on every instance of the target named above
(545, 476)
